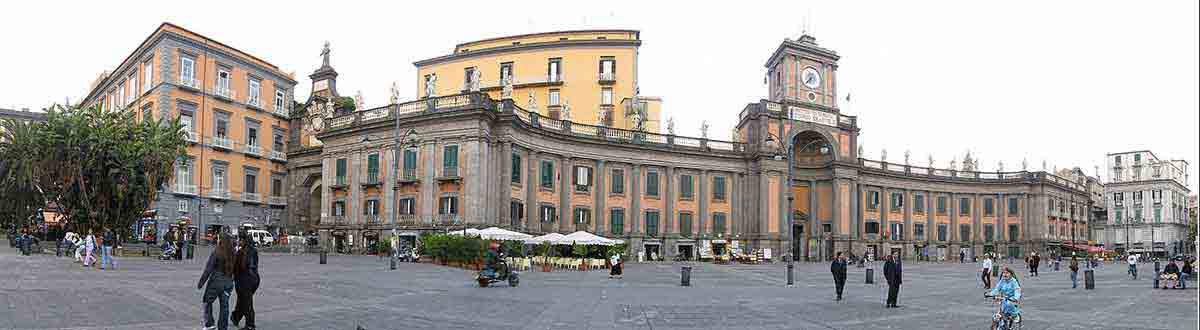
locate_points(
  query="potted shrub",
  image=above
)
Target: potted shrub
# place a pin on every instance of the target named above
(581, 251)
(547, 250)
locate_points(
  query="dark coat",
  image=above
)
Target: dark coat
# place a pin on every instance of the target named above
(214, 271)
(1171, 269)
(893, 273)
(838, 268)
(249, 275)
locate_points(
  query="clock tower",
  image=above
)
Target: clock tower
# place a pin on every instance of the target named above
(803, 73)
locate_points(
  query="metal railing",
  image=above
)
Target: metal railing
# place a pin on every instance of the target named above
(188, 82)
(221, 142)
(224, 92)
(278, 155)
(252, 150)
(339, 180)
(277, 200)
(406, 219)
(450, 172)
(221, 193)
(251, 197)
(191, 136)
(372, 218)
(409, 175)
(279, 111)
(447, 219)
(372, 178)
(338, 219)
(189, 189)
(254, 101)
(606, 76)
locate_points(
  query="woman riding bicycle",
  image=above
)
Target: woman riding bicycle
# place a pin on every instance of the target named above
(1008, 289)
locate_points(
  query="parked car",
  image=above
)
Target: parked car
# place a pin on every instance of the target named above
(262, 237)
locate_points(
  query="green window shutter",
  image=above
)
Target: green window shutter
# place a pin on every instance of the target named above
(341, 167)
(450, 157)
(373, 163)
(719, 188)
(651, 183)
(618, 182)
(410, 159)
(547, 174)
(516, 168)
(685, 186)
(617, 222)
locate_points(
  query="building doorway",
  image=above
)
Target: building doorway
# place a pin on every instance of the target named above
(652, 252)
(685, 251)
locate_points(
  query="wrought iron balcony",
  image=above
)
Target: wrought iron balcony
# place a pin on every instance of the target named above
(221, 142)
(224, 92)
(339, 219)
(251, 197)
(187, 189)
(189, 82)
(406, 219)
(408, 176)
(254, 102)
(339, 182)
(372, 179)
(277, 200)
(448, 219)
(449, 174)
(277, 155)
(252, 150)
(280, 111)
(218, 193)
(607, 77)
(372, 218)
(190, 136)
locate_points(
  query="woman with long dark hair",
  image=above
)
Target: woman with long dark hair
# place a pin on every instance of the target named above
(247, 280)
(218, 275)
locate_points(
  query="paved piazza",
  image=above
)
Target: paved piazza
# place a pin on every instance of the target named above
(42, 292)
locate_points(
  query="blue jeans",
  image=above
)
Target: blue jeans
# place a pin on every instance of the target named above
(1074, 279)
(106, 257)
(217, 290)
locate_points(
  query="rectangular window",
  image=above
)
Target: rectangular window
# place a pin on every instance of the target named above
(147, 75)
(219, 179)
(277, 187)
(183, 171)
(719, 188)
(339, 208)
(222, 123)
(516, 213)
(121, 93)
(187, 71)
(989, 231)
(1012, 206)
(583, 216)
(1014, 232)
(919, 204)
(554, 98)
(1120, 216)
(964, 206)
(685, 187)
(608, 68)
(718, 222)
(373, 168)
(618, 181)
(469, 78)
(505, 71)
(185, 119)
(184, 205)
(408, 206)
(652, 183)
(606, 96)
(583, 178)
(872, 227)
(279, 98)
(941, 232)
(1156, 195)
(133, 88)
(1119, 199)
(371, 207)
(547, 214)
(1157, 215)
(685, 224)
(448, 205)
(872, 200)
(450, 160)
(516, 168)
(277, 141)
(941, 205)
(251, 135)
(896, 231)
(554, 70)
(964, 233)
(410, 160)
(989, 209)
(897, 202)
(251, 183)
(616, 221)
(341, 172)
(919, 231)
(652, 223)
(547, 174)
(223, 79)
(255, 92)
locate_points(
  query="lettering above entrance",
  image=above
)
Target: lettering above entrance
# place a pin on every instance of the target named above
(812, 116)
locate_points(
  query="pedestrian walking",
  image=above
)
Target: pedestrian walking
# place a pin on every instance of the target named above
(1074, 272)
(617, 267)
(217, 283)
(838, 268)
(986, 272)
(894, 274)
(89, 243)
(1133, 259)
(107, 243)
(1034, 260)
(246, 281)
(962, 257)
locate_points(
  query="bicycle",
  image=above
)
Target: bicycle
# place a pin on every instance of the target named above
(1006, 321)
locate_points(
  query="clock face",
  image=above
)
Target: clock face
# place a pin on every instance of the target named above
(811, 78)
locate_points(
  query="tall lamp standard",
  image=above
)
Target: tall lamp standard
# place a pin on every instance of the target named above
(400, 138)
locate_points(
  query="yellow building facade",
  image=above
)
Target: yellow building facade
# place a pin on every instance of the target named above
(586, 76)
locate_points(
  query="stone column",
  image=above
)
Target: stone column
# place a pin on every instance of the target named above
(635, 199)
(471, 201)
(952, 207)
(735, 213)
(908, 223)
(599, 216)
(668, 198)
(327, 176)
(504, 184)
(856, 212)
(386, 159)
(354, 186)
(814, 221)
(977, 227)
(565, 186)
(764, 190)
(837, 207)
(532, 222)
(930, 213)
(428, 200)
(702, 199)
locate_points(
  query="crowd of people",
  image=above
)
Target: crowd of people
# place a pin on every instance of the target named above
(85, 248)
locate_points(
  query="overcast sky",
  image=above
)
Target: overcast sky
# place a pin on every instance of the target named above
(1061, 81)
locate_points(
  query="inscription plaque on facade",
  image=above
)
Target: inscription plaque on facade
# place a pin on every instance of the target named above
(812, 116)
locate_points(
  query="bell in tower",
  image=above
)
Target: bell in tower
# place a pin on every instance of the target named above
(802, 72)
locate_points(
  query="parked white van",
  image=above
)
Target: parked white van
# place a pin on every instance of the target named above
(262, 237)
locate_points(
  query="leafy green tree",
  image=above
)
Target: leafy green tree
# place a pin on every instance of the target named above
(22, 173)
(104, 168)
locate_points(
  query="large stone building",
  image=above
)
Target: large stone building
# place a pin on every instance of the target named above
(1147, 204)
(234, 108)
(586, 76)
(482, 159)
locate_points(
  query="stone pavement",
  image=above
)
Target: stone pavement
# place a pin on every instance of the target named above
(43, 292)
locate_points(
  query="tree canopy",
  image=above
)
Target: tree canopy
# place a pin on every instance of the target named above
(102, 168)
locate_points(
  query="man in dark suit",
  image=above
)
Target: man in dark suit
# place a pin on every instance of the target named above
(894, 275)
(838, 268)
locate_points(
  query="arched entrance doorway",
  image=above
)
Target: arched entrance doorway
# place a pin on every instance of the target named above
(813, 189)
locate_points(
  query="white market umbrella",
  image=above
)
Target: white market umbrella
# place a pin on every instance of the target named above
(469, 232)
(585, 238)
(496, 233)
(551, 237)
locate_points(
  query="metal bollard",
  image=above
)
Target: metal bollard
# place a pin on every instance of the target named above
(323, 256)
(791, 266)
(1089, 280)
(870, 276)
(1157, 267)
(685, 276)
(1155, 280)
(393, 263)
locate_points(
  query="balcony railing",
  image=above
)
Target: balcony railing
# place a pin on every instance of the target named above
(219, 193)
(254, 102)
(605, 77)
(224, 92)
(189, 82)
(339, 181)
(447, 219)
(372, 218)
(191, 136)
(406, 219)
(277, 200)
(280, 111)
(338, 219)
(221, 142)
(449, 173)
(188, 189)
(278, 155)
(252, 150)
(372, 179)
(408, 175)
(251, 197)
